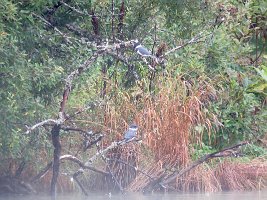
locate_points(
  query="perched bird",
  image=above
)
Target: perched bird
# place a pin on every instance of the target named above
(141, 50)
(130, 133)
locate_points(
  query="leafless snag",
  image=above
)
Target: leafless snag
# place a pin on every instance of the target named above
(221, 153)
(193, 40)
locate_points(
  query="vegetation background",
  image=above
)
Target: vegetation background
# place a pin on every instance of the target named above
(205, 96)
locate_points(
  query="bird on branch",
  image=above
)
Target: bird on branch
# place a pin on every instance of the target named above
(130, 134)
(141, 50)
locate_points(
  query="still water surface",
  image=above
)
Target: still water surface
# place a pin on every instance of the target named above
(259, 195)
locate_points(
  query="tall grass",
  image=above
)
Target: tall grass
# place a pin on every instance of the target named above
(166, 120)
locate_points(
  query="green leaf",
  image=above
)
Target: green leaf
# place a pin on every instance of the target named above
(262, 72)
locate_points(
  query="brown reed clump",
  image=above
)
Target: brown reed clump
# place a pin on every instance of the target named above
(242, 176)
(200, 179)
(165, 119)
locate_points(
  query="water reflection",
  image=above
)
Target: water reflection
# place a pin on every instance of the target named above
(259, 195)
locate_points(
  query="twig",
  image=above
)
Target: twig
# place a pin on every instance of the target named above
(89, 106)
(133, 167)
(55, 28)
(75, 9)
(99, 153)
(149, 66)
(110, 172)
(95, 141)
(193, 40)
(68, 128)
(75, 73)
(120, 58)
(42, 172)
(84, 34)
(70, 158)
(80, 163)
(75, 177)
(103, 152)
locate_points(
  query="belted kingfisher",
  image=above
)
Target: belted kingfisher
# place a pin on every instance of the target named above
(130, 133)
(141, 50)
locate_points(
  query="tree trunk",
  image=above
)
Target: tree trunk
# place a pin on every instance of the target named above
(56, 142)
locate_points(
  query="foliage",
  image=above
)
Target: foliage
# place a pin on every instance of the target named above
(199, 150)
(260, 86)
(255, 151)
(218, 82)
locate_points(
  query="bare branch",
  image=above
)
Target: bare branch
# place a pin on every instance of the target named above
(68, 128)
(47, 121)
(86, 65)
(101, 152)
(84, 34)
(75, 9)
(147, 63)
(110, 171)
(75, 177)
(80, 163)
(55, 28)
(42, 173)
(120, 58)
(90, 106)
(133, 167)
(193, 40)
(70, 158)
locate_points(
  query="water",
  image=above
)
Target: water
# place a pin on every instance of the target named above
(257, 195)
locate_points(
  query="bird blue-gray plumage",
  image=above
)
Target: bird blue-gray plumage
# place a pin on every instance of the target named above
(141, 50)
(130, 133)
